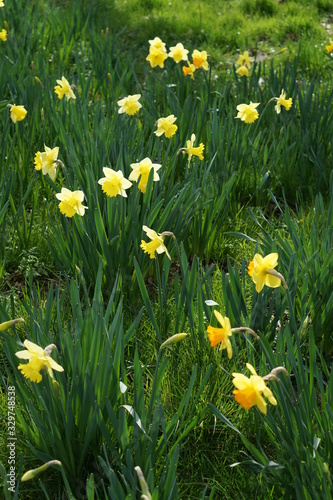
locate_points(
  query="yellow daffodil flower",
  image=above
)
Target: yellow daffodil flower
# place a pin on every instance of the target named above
(329, 47)
(247, 112)
(221, 335)
(200, 59)
(157, 243)
(282, 101)
(114, 183)
(166, 126)
(249, 391)
(141, 170)
(129, 104)
(2, 3)
(156, 57)
(48, 161)
(3, 35)
(39, 359)
(64, 89)
(189, 70)
(261, 270)
(71, 202)
(244, 60)
(178, 53)
(191, 151)
(157, 44)
(243, 71)
(17, 113)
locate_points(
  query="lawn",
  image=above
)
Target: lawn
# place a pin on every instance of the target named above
(166, 249)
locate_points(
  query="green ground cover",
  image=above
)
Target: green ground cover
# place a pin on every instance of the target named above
(84, 283)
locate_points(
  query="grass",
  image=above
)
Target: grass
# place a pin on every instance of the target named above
(85, 285)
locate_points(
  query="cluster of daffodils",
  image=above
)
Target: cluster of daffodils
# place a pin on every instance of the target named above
(249, 391)
(158, 54)
(248, 112)
(244, 64)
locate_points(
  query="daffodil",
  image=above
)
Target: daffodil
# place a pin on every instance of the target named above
(244, 60)
(166, 126)
(17, 113)
(71, 202)
(64, 89)
(261, 269)
(2, 3)
(329, 47)
(39, 359)
(192, 151)
(243, 71)
(3, 35)
(47, 161)
(189, 70)
(157, 43)
(32, 473)
(141, 170)
(178, 53)
(7, 324)
(221, 335)
(282, 101)
(157, 243)
(129, 104)
(249, 391)
(200, 59)
(156, 57)
(114, 183)
(247, 112)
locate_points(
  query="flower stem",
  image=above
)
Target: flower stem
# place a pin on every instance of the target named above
(245, 329)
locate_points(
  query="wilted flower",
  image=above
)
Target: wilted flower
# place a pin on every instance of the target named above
(244, 60)
(261, 270)
(178, 53)
(249, 391)
(282, 101)
(157, 243)
(3, 34)
(156, 57)
(329, 47)
(48, 161)
(189, 70)
(166, 126)
(142, 170)
(221, 335)
(17, 113)
(64, 89)
(71, 202)
(114, 183)
(191, 151)
(39, 359)
(243, 71)
(247, 112)
(129, 104)
(200, 59)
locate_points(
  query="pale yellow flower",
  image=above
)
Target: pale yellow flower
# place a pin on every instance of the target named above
(2, 3)
(260, 271)
(192, 151)
(71, 202)
(157, 44)
(243, 71)
(329, 47)
(114, 183)
(247, 112)
(129, 104)
(3, 35)
(221, 335)
(141, 170)
(282, 101)
(64, 89)
(200, 59)
(17, 113)
(249, 391)
(244, 60)
(166, 126)
(189, 70)
(156, 57)
(48, 161)
(178, 53)
(39, 359)
(156, 245)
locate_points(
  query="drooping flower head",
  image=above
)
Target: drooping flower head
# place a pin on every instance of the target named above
(221, 335)
(200, 59)
(242, 71)
(166, 126)
(249, 391)
(282, 101)
(178, 53)
(143, 169)
(129, 104)
(189, 70)
(244, 60)
(3, 34)
(64, 89)
(17, 113)
(71, 202)
(156, 245)
(329, 47)
(39, 359)
(247, 112)
(114, 183)
(260, 269)
(192, 151)
(156, 57)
